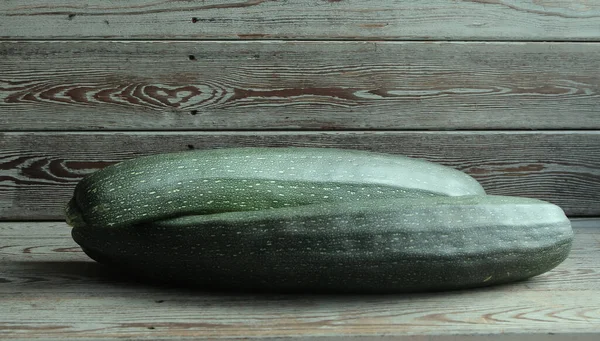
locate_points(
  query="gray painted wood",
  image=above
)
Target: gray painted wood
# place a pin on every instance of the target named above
(298, 85)
(40, 169)
(50, 290)
(302, 19)
(586, 222)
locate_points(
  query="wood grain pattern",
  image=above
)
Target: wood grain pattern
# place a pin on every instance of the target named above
(38, 170)
(302, 19)
(298, 85)
(50, 290)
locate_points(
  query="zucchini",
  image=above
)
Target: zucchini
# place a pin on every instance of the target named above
(370, 246)
(251, 179)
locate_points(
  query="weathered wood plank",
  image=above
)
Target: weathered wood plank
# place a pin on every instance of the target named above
(303, 19)
(298, 85)
(50, 290)
(40, 169)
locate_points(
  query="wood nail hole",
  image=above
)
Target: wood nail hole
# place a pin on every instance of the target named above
(194, 112)
(192, 57)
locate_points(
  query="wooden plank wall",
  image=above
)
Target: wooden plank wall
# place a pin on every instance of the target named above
(507, 91)
(539, 20)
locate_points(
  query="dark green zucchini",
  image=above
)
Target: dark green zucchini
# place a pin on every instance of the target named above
(376, 246)
(164, 186)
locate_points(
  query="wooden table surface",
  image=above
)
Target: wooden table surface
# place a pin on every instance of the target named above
(50, 290)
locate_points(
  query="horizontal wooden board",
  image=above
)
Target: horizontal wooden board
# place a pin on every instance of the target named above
(302, 19)
(67, 85)
(38, 171)
(50, 290)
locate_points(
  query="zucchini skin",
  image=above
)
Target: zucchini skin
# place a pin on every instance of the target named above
(169, 185)
(374, 246)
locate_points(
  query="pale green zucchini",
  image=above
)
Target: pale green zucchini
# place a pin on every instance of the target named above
(252, 179)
